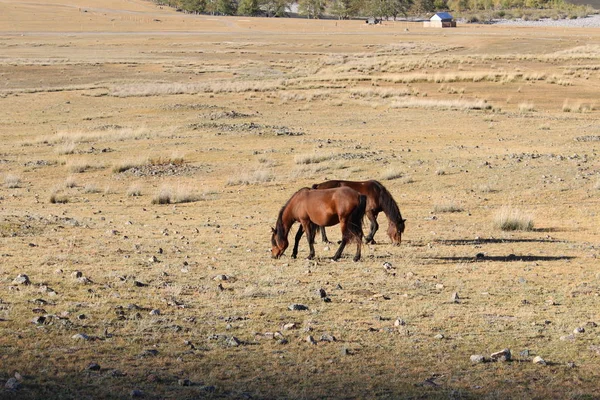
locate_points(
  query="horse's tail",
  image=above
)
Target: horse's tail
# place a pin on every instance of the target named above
(356, 219)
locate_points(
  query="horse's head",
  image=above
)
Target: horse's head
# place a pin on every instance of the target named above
(395, 232)
(278, 243)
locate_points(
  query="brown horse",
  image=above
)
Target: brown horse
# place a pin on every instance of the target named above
(378, 199)
(328, 207)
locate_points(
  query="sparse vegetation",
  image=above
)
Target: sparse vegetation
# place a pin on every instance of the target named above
(512, 219)
(12, 181)
(174, 195)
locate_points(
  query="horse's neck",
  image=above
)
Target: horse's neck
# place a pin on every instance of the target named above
(287, 220)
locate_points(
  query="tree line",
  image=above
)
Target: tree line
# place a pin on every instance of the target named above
(346, 9)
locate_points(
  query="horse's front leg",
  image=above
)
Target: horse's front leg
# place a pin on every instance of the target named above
(340, 249)
(374, 227)
(297, 240)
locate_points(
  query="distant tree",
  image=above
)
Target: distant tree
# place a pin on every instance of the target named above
(423, 6)
(248, 7)
(276, 8)
(311, 8)
(194, 6)
(221, 7)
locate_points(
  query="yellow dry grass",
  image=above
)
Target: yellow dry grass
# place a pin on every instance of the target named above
(259, 108)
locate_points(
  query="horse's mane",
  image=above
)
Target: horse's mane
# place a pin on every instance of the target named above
(279, 227)
(388, 204)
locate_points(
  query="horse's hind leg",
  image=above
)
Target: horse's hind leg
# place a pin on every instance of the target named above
(374, 227)
(309, 227)
(358, 248)
(338, 253)
(297, 240)
(324, 235)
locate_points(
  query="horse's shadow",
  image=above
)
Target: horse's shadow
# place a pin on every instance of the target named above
(508, 258)
(474, 242)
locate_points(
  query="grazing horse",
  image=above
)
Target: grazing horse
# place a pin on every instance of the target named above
(328, 207)
(378, 199)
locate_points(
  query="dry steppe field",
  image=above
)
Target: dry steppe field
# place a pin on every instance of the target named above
(144, 157)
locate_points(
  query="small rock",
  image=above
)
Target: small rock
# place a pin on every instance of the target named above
(439, 336)
(291, 325)
(311, 340)
(345, 351)
(81, 317)
(21, 279)
(149, 353)
(154, 259)
(297, 307)
(155, 312)
(387, 266)
(524, 353)
(328, 338)
(439, 286)
(77, 274)
(12, 384)
(18, 377)
(84, 280)
(221, 278)
(80, 336)
(39, 320)
(399, 322)
(578, 330)
(539, 360)
(571, 364)
(592, 324)
(502, 355)
(322, 293)
(454, 298)
(477, 359)
(139, 284)
(233, 342)
(136, 393)
(93, 367)
(184, 382)
(152, 378)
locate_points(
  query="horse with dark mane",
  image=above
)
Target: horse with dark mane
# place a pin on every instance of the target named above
(379, 199)
(312, 208)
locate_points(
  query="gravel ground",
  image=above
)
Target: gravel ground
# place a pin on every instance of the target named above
(592, 21)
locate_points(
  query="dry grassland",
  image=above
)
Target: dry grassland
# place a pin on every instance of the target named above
(145, 154)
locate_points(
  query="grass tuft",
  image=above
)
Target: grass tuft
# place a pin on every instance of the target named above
(510, 219)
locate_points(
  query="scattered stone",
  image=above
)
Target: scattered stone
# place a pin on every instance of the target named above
(12, 384)
(297, 307)
(152, 378)
(233, 342)
(154, 259)
(477, 359)
(524, 353)
(80, 336)
(592, 324)
(454, 297)
(84, 280)
(18, 377)
(439, 336)
(345, 351)
(291, 325)
(184, 382)
(139, 284)
(21, 279)
(439, 286)
(387, 266)
(311, 340)
(539, 360)
(155, 312)
(221, 278)
(93, 367)
(328, 338)
(551, 302)
(502, 355)
(578, 330)
(136, 393)
(322, 293)
(77, 274)
(571, 364)
(81, 317)
(39, 320)
(149, 353)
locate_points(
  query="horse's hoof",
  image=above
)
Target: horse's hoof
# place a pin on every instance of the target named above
(294, 256)
(356, 259)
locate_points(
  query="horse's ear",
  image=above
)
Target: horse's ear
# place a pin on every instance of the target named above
(404, 220)
(273, 230)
